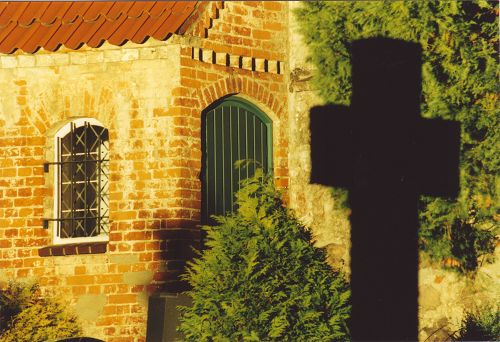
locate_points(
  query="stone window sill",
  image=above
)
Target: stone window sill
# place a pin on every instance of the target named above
(73, 249)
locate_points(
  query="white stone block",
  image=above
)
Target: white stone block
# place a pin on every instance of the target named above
(207, 56)
(147, 53)
(220, 58)
(196, 53)
(78, 58)
(164, 52)
(247, 63)
(130, 54)
(234, 61)
(281, 67)
(8, 62)
(260, 64)
(112, 55)
(61, 58)
(272, 67)
(95, 57)
(25, 61)
(44, 60)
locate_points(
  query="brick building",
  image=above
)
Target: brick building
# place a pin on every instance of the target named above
(114, 116)
(119, 122)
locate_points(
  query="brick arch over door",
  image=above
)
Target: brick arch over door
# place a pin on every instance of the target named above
(258, 91)
(233, 129)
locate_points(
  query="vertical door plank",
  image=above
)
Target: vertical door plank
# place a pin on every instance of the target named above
(233, 132)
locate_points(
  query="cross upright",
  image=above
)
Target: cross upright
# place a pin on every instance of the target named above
(386, 155)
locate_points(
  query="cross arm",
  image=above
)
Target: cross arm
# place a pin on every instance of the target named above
(331, 145)
(438, 150)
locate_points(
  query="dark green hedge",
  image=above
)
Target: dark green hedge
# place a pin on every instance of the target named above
(483, 325)
(260, 279)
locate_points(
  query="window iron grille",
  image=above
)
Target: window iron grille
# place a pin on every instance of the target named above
(82, 177)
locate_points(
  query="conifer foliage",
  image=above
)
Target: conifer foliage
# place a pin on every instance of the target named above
(460, 75)
(261, 279)
(482, 325)
(26, 316)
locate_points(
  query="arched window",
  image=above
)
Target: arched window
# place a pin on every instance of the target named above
(81, 178)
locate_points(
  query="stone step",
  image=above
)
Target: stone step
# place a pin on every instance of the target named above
(163, 317)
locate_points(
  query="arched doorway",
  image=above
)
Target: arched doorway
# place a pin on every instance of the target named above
(232, 129)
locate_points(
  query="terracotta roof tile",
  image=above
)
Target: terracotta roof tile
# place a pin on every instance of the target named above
(50, 24)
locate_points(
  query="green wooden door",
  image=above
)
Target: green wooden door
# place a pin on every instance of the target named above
(232, 130)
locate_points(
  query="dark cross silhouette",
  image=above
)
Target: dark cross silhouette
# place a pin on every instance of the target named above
(385, 155)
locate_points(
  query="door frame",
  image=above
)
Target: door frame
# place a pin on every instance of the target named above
(249, 106)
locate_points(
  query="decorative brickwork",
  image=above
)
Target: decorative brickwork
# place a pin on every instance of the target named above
(151, 98)
(240, 62)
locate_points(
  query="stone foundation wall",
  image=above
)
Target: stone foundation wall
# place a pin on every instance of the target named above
(445, 297)
(313, 203)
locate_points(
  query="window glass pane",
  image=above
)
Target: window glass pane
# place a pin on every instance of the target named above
(83, 186)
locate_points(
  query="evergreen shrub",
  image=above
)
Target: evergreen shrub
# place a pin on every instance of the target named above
(481, 326)
(460, 76)
(261, 279)
(26, 316)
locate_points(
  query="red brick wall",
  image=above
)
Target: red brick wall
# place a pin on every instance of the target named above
(256, 29)
(154, 220)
